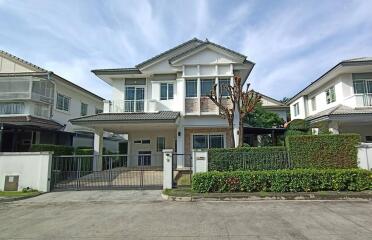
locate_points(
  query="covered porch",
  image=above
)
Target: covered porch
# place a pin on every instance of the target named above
(147, 133)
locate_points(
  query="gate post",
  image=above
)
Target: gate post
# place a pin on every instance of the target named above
(167, 168)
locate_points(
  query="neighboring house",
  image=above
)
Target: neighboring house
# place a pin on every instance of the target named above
(275, 106)
(163, 102)
(36, 106)
(340, 100)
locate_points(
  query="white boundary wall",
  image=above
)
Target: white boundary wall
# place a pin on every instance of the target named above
(33, 169)
(365, 156)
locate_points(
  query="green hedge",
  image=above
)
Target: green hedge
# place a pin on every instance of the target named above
(57, 149)
(247, 158)
(323, 151)
(297, 180)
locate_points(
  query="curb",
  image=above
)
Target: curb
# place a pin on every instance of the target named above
(255, 198)
(13, 199)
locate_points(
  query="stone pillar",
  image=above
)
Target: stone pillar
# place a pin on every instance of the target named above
(180, 146)
(199, 161)
(98, 143)
(167, 169)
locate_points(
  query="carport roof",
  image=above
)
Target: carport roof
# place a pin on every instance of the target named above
(339, 110)
(162, 116)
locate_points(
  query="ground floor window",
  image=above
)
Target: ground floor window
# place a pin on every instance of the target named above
(212, 140)
(144, 158)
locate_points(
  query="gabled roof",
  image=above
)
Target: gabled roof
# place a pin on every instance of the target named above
(194, 41)
(204, 44)
(339, 110)
(280, 104)
(348, 62)
(42, 71)
(162, 116)
(22, 61)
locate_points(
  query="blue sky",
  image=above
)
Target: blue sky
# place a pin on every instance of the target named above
(291, 42)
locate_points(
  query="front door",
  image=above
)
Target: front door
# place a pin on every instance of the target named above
(144, 158)
(134, 99)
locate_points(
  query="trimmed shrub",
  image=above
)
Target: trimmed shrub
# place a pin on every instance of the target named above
(298, 124)
(57, 149)
(323, 151)
(247, 158)
(297, 180)
(84, 151)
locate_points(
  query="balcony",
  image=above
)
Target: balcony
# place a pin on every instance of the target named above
(359, 100)
(26, 88)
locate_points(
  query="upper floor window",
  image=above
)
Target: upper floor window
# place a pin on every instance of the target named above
(84, 109)
(191, 88)
(160, 144)
(166, 91)
(12, 108)
(313, 104)
(206, 86)
(296, 109)
(223, 84)
(362, 86)
(63, 102)
(331, 95)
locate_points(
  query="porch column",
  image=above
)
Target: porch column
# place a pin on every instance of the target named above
(167, 169)
(98, 143)
(333, 127)
(180, 146)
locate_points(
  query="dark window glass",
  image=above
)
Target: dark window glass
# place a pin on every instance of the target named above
(200, 141)
(223, 84)
(163, 91)
(216, 141)
(206, 86)
(191, 86)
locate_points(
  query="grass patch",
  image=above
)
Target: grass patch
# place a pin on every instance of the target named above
(179, 192)
(18, 194)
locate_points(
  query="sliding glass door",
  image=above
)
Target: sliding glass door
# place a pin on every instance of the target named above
(134, 99)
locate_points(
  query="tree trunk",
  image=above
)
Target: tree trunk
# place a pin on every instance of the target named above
(241, 133)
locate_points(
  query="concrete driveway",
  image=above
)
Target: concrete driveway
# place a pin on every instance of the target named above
(143, 215)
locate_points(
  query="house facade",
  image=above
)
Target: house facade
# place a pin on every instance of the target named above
(163, 103)
(340, 101)
(36, 106)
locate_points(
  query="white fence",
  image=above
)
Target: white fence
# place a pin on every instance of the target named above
(31, 169)
(365, 156)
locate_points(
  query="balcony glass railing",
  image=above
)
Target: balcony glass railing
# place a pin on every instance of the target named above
(127, 106)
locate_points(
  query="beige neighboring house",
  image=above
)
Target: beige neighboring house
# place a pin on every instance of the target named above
(36, 106)
(163, 102)
(340, 100)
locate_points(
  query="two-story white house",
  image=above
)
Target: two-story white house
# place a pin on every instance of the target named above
(36, 106)
(340, 100)
(163, 102)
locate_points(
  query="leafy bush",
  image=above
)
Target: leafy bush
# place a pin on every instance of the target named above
(84, 151)
(323, 151)
(247, 158)
(57, 149)
(297, 180)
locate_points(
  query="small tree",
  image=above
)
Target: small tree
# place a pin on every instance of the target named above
(239, 103)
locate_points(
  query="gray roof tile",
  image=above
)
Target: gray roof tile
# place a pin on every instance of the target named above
(129, 117)
(340, 110)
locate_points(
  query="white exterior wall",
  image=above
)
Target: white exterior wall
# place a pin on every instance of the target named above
(77, 97)
(33, 169)
(302, 114)
(9, 66)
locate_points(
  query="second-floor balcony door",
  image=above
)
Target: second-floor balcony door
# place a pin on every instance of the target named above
(134, 99)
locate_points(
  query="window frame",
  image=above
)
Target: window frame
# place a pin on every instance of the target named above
(64, 97)
(158, 148)
(330, 95)
(168, 86)
(82, 104)
(208, 134)
(296, 109)
(220, 86)
(201, 85)
(196, 87)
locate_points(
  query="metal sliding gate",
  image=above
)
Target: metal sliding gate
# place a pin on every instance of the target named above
(76, 173)
(181, 170)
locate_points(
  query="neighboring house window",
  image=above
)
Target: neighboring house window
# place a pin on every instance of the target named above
(63, 102)
(331, 95)
(160, 144)
(191, 88)
(296, 109)
(223, 84)
(313, 103)
(98, 111)
(84, 109)
(200, 141)
(166, 91)
(362, 86)
(12, 108)
(146, 141)
(368, 139)
(206, 86)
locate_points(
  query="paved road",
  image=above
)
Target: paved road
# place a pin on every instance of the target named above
(121, 215)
